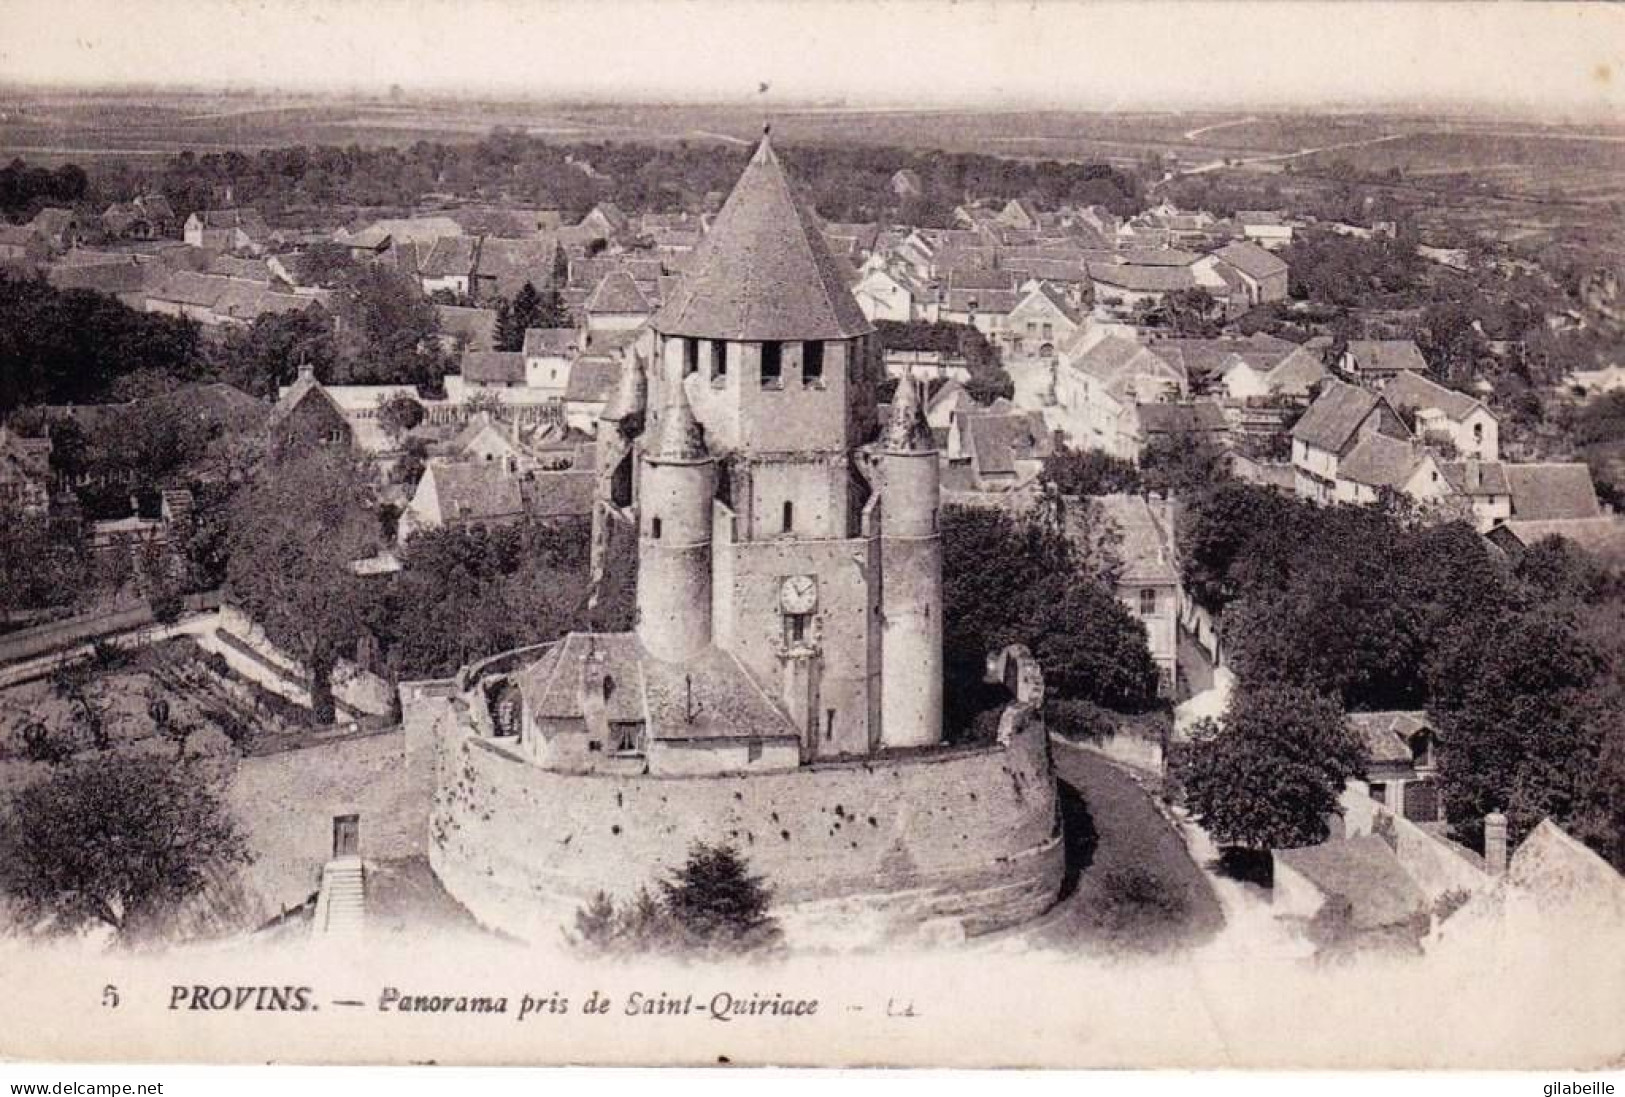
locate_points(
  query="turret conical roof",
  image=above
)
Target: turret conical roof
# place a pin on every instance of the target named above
(906, 428)
(763, 272)
(679, 436)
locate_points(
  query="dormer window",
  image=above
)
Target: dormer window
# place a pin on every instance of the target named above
(772, 365)
(812, 365)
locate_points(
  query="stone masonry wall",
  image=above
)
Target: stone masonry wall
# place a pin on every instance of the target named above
(967, 839)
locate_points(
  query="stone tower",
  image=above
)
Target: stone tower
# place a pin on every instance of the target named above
(677, 482)
(905, 462)
(761, 391)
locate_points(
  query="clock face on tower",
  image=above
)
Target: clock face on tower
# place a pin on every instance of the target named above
(798, 594)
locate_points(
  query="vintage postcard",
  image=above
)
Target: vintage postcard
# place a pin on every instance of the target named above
(918, 534)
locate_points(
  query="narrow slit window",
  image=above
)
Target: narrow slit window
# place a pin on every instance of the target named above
(789, 523)
(691, 356)
(812, 365)
(772, 365)
(654, 528)
(719, 363)
(829, 724)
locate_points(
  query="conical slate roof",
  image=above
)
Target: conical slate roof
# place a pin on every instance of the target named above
(906, 429)
(679, 436)
(763, 272)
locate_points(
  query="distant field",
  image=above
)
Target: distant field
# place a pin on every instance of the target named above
(1588, 166)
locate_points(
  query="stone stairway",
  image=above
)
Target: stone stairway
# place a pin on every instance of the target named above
(341, 905)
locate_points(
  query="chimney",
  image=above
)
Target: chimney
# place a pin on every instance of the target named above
(1495, 843)
(307, 372)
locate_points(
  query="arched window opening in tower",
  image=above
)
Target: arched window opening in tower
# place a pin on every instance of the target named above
(719, 363)
(691, 356)
(772, 365)
(812, 365)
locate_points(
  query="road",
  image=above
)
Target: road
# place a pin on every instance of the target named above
(1275, 157)
(27, 670)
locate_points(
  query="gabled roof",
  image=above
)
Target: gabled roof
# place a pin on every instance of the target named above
(1365, 872)
(618, 293)
(1046, 292)
(997, 441)
(477, 326)
(451, 257)
(474, 490)
(187, 288)
(593, 378)
(1483, 478)
(1158, 257)
(1251, 260)
(1199, 417)
(1142, 279)
(1386, 736)
(1387, 355)
(710, 696)
(1378, 461)
(1409, 389)
(494, 367)
(1335, 415)
(991, 301)
(763, 271)
(1115, 362)
(1142, 545)
(550, 342)
(1542, 492)
(1602, 536)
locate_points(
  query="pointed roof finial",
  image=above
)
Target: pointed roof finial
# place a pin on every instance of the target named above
(680, 436)
(906, 429)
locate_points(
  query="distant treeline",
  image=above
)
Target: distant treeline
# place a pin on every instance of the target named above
(845, 183)
(25, 190)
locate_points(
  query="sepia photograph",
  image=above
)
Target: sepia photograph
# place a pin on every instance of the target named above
(892, 533)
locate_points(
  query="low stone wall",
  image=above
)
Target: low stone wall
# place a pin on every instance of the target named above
(358, 689)
(956, 841)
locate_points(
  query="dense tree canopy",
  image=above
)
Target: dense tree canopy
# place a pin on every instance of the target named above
(1010, 580)
(119, 840)
(71, 346)
(293, 533)
(1268, 776)
(1519, 666)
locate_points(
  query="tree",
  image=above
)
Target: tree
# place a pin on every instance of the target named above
(712, 904)
(1193, 312)
(718, 903)
(1520, 731)
(119, 840)
(293, 532)
(325, 263)
(399, 414)
(1183, 463)
(518, 316)
(1022, 580)
(1090, 472)
(1269, 776)
(267, 354)
(388, 331)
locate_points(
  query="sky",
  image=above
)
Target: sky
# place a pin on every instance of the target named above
(1556, 59)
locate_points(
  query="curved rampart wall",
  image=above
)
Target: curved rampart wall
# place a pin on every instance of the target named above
(962, 838)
